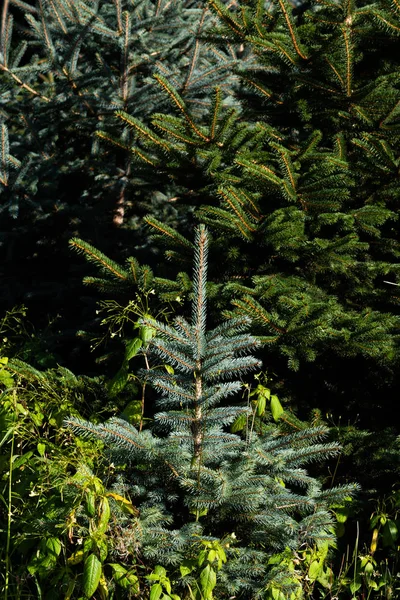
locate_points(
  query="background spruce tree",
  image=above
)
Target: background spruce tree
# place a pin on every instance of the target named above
(191, 479)
(65, 67)
(300, 189)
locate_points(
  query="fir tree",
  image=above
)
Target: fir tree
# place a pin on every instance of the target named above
(299, 186)
(65, 67)
(194, 477)
(78, 63)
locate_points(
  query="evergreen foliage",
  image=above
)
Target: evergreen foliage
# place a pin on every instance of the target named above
(278, 129)
(299, 187)
(190, 478)
(65, 68)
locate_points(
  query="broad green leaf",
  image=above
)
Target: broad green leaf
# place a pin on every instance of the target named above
(118, 570)
(314, 570)
(21, 460)
(46, 558)
(155, 591)
(369, 568)
(124, 578)
(90, 503)
(53, 546)
(88, 545)
(342, 514)
(208, 580)
(21, 409)
(166, 583)
(146, 333)
(6, 379)
(37, 417)
(187, 566)
(133, 412)
(201, 557)
(101, 545)
(276, 408)
(221, 556)
(221, 553)
(355, 586)
(372, 584)
(41, 448)
(239, 423)
(389, 533)
(374, 521)
(119, 381)
(364, 561)
(104, 515)
(132, 348)
(261, 404)
(277, 594)
(326, 578)
(212, 555)
(266, 393)
(91, 575)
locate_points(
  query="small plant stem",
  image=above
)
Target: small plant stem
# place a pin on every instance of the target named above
(143, 395)
(356, 555)
(9, 508)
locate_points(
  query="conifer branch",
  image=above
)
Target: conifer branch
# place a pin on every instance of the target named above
(349, 58)
(199, 288)
(286, 10)
(23, 85)
(144, 131)
(226, 17)
(195, 52)
(178, 101)
(169, 232)
(5, 32)
(255, 310)
(99, 259)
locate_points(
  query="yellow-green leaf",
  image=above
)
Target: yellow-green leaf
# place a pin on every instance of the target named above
(155, 591)
(41, 448)
(239, 423)
(104, 515)
(91, 575)
(132, 348)
(208, 580)
(124, 578)
(314, 570)
(261, 403)
(124, 503)
(76, 557)
(276, 407)
(90, 503)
